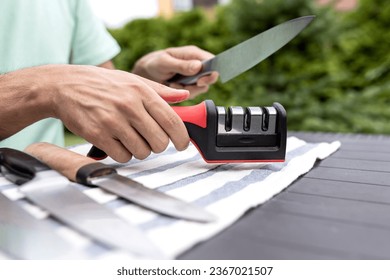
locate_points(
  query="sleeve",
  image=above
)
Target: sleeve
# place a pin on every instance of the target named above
(92, 44)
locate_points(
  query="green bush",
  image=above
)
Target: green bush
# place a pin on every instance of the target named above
(334, 76)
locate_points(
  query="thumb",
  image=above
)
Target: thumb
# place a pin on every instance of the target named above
(190, 67)
(186, 67)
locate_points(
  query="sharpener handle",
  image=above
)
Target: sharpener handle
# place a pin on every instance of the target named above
(19, 167)
(96, 153)
(75, 167)
(191, 80)
(196, 114)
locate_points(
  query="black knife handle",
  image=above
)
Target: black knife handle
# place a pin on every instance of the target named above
(19, 167)
(92, 170)
(191, 80)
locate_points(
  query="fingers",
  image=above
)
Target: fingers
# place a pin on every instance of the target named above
(208, 79)
(162, 65)
(187, 60)
(166, 93)
(139, 137)
(166, 117)
(181, 66)
(193, 89)
(189, 53)
(201, 86)
(154, 137)
(149, 123)
(172, 124)
(113, 148)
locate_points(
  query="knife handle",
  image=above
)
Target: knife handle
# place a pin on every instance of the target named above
(196, 114)
(19, 167)
(75, 167)
(191, 80)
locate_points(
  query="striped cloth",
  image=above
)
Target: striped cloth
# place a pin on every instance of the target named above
(215, 187)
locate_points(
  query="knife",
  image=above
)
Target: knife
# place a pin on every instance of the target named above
(87, 171)
(22, 236)
(52, 191)
(249, 53)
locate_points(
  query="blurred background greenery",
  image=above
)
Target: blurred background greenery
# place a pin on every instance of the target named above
(335, 76)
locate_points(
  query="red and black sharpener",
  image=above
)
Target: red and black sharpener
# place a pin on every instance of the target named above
(251, 134)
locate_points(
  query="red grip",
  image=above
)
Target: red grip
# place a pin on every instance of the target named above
(196, 114)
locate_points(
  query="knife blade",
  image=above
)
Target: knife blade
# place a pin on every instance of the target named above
(249, 53)
(22, 236)
(87, 171)
(52, 191)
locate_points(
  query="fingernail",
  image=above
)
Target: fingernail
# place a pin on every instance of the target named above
(180, 96)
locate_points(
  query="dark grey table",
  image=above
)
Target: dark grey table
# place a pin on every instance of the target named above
(339, 210)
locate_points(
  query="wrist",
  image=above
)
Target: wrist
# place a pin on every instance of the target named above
(23, 101)
(138, 68)
(39, 88)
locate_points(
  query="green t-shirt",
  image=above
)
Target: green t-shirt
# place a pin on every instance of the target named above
(39, 32)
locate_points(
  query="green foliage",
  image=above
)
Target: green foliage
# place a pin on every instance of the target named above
(334, 76)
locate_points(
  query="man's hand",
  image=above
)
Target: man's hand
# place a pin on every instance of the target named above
(162, 65)
(121, 113)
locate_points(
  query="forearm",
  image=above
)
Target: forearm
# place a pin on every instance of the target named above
(23, 101)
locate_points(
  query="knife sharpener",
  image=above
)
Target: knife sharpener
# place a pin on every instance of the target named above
(236, 134)
(250, 134)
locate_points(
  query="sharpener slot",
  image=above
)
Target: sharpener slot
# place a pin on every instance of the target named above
(247, 120)
(228, 120)
(221, 119)
(256, 119)
(269, 121)
(234, 120)
(237, 119)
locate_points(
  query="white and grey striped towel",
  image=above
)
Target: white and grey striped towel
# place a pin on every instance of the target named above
(216, 187)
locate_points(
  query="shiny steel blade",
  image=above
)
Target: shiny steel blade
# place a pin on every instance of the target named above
(247, 54)
(52, 191)
(22, 236)
(151, 199)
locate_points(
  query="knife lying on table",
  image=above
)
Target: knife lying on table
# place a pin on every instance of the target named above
(247, 54)
(52, 191)
(22, 236)
(87, 171)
